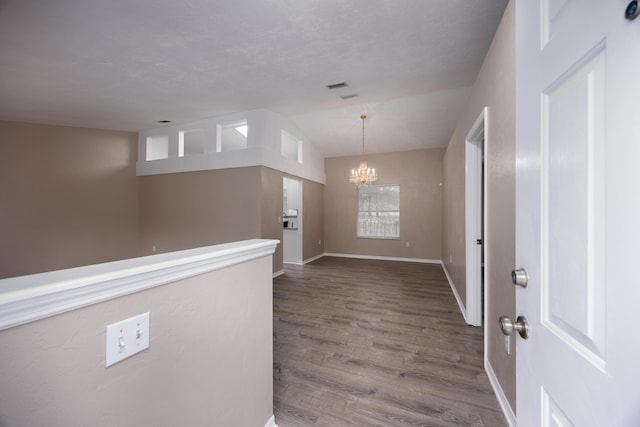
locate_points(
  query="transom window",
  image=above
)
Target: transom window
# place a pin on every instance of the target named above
(379, 211)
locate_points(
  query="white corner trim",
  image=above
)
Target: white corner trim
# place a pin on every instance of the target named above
(278, 273)
(385, 258)
(271, 422)
(456, 294)
(27, 298)
(502, 398)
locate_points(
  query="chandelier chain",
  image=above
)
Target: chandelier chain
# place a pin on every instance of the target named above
(364, 116)
(364, 175)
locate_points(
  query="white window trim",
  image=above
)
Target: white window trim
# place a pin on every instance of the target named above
(358, 215)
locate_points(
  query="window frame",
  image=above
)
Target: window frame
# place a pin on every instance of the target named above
(360, 210)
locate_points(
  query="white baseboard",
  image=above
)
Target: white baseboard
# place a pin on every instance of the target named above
(307, 261)
(278, 273)
(502, 398)
(271, 422)
(385, 258)
(463, 310)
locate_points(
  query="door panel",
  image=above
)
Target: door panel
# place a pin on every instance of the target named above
(551, 18)
(552, 415)
(572, 207)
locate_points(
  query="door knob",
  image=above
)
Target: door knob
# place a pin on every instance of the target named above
(520, 277)
(507, 326)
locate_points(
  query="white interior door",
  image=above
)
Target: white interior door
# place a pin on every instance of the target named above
(578, 212)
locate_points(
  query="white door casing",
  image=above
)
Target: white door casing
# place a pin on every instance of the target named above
(475, 146)
(578, 212)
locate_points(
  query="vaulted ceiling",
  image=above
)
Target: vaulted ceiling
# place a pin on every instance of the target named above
(125, 64)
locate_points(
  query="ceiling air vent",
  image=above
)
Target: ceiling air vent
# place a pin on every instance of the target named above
(337, 85)
(351, 95)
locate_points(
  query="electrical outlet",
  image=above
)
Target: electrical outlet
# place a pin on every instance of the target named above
(319, 242)
(153, 248)
(126, 338)
(507, 345)
(407, 243)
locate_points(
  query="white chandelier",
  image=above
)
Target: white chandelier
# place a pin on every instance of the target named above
(364, 175)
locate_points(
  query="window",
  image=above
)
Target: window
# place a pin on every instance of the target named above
(191, 142)
(379, 211)
(157, 147)
(232, 137)
(290, 147)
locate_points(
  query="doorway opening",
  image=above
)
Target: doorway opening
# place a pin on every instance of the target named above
(475, 219)
(292, 221)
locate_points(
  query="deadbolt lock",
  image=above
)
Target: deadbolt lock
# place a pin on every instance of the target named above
(520, 277)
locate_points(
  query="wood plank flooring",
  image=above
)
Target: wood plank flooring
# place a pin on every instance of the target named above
(376, 343)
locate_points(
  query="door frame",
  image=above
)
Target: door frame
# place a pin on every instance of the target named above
(476, 142)
(299, 233)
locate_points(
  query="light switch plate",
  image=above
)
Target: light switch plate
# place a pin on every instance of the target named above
(126, 338)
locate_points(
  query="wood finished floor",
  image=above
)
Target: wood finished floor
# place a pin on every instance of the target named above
(376, 343)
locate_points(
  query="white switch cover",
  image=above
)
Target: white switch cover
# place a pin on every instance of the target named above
(126, 338)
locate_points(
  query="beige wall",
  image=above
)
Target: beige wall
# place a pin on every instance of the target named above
(453, 214)
(69, 197)
(193, 209)
(419, 174)
(495, 88)
(271, 193)
(210, 360)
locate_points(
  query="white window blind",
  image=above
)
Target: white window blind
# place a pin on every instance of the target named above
(379, 211)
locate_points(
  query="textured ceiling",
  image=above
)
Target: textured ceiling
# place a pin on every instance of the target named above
(122, 64)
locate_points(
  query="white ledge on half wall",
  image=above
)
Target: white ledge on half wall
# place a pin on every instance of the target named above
(27, 298)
